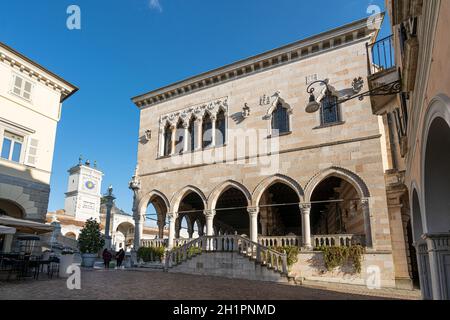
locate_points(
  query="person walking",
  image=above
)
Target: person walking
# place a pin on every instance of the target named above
(107, 256)
(119, 257)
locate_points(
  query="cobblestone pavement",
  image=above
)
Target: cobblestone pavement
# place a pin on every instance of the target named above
(118, 284)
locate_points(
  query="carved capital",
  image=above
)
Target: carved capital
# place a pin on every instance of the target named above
(185, 124)
(365, 203)
(305, 208)
(209, 214)
(172, 216)
(253, 211)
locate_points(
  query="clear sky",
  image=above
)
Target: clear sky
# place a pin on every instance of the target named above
(128, 47)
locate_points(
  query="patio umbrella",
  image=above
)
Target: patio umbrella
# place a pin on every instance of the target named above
(25, 226)
(7, 230)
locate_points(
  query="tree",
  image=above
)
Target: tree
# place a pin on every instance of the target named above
(91, 239)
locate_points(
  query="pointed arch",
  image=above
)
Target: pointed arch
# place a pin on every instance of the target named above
(149, 197)
(178, 197)
(356, 181)
(278, 178)
(220, 189)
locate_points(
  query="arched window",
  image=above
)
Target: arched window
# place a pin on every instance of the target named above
(191, 130)
(207, 131)
(329, 111)
(280, 120)
(167, 140)
(179, 138)
(220, 128)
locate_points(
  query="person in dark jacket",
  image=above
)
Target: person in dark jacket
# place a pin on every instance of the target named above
(119, 257)
(107, 256)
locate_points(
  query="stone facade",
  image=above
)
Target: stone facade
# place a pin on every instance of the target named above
(352, 150)
(421, 54)
(31, 98)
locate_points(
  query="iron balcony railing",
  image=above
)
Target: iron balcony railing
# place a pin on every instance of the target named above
(380, 55)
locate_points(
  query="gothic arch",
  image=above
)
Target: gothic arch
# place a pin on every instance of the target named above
(179, 224)
(416, 212)
(178, 197)
(278, 178)
(215, 194)
(143, 204)
(436, 121)
(356, 181)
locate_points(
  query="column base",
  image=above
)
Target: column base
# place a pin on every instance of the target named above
(307, 248)
(404, 283)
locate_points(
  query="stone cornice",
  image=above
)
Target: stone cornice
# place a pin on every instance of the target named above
(300, 50)
(35, 71)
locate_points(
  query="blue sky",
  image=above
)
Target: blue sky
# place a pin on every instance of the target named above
(128, 47)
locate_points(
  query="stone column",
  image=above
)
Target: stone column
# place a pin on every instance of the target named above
(209, 214)
(305, 209)
(161, 141)
(172, 219)
(174, 136)
(365, 204)
(186, 138)
(109, 204)
(138, 229)
(213, 129)
(253, 216)
(438, 248)
(198, 133)
(161, 225)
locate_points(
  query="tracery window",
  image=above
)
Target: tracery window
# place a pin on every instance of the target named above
(207, 130)
(220, 128)
(167, 140)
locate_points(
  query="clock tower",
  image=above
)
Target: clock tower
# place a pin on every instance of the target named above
(84, 192)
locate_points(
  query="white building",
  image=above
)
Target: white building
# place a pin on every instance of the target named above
(31, 98)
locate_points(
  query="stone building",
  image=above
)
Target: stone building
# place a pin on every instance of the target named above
(31, 99)
(233, 150)
(84, 201)
(419, 118)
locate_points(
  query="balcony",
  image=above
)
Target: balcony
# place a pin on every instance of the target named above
(384, 80)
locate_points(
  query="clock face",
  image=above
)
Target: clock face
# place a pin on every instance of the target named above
(90, 185)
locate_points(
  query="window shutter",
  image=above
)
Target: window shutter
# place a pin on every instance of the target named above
(17, 85)
(27, 90)
(31, 156)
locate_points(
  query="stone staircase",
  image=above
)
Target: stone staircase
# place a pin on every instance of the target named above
(230, 256)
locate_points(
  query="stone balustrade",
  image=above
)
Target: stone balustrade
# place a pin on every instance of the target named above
(338, 240)
(157, 243)
(154, 243)
(229, 243)
(280, 241)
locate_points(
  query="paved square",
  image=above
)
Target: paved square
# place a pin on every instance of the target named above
(140, 285)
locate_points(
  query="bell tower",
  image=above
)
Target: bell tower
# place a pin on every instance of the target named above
(84, 191)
